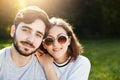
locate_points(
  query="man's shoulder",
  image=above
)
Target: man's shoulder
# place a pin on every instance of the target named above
(3, 50)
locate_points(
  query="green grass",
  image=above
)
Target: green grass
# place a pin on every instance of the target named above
(104, 56)
(105, 59)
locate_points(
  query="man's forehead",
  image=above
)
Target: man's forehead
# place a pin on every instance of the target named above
(32, 25)
(39, 28)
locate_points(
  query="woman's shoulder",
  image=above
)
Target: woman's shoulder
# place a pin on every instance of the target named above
(81, 57)
(82, 60)
(81, 64)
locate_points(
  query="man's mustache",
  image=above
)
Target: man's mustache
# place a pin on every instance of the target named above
(26, 42)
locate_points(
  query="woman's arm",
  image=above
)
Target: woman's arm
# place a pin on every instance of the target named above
(47, 62)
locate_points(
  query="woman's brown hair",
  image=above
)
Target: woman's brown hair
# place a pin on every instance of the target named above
(75, 48)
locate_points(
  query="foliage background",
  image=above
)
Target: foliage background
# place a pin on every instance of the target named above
(92, 19)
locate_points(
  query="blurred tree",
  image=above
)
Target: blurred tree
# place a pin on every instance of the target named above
(7, 13)
(90, 18)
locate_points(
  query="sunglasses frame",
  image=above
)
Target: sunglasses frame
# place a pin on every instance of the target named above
(53, 40)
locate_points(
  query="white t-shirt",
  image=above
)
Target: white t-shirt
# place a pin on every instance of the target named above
(77, 70)
(9, 71)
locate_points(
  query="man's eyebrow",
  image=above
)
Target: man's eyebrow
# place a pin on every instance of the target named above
(31, 29)
(26, 27)
(40, 33)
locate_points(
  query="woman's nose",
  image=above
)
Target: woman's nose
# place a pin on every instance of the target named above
(55, 43)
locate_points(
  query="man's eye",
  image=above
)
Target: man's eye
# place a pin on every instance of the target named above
(39, 35)
(24, 29)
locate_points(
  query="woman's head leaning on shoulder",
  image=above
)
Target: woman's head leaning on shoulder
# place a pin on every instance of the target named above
(72, 49)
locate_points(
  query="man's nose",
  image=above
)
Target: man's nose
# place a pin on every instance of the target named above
(31, 38)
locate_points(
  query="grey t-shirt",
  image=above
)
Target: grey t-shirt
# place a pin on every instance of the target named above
(9, 71)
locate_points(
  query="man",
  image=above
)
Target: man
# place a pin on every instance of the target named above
(17, 62)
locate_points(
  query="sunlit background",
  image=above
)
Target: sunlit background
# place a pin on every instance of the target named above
(49, 5)
(91, 18)
(57, 8)
(53, 7)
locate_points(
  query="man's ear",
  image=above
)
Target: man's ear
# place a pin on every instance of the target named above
(12, 30)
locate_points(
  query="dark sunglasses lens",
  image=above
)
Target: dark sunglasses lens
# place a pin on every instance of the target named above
(62, 39)
(48, 41)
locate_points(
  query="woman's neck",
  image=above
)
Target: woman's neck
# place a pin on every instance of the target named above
(64, 63)
(62, 59)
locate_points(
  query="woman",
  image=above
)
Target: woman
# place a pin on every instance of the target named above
(60, 54)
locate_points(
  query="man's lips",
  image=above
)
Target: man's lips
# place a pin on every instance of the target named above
(28, 44)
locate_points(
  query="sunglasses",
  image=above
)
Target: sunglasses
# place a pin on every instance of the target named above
(61, 39)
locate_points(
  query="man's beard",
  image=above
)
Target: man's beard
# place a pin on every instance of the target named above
(17, 47)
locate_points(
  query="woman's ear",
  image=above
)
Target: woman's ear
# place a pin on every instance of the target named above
(69, 40)
(44, 45)
(12, 30)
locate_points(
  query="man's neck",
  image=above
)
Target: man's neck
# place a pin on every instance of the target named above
(19, 59)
